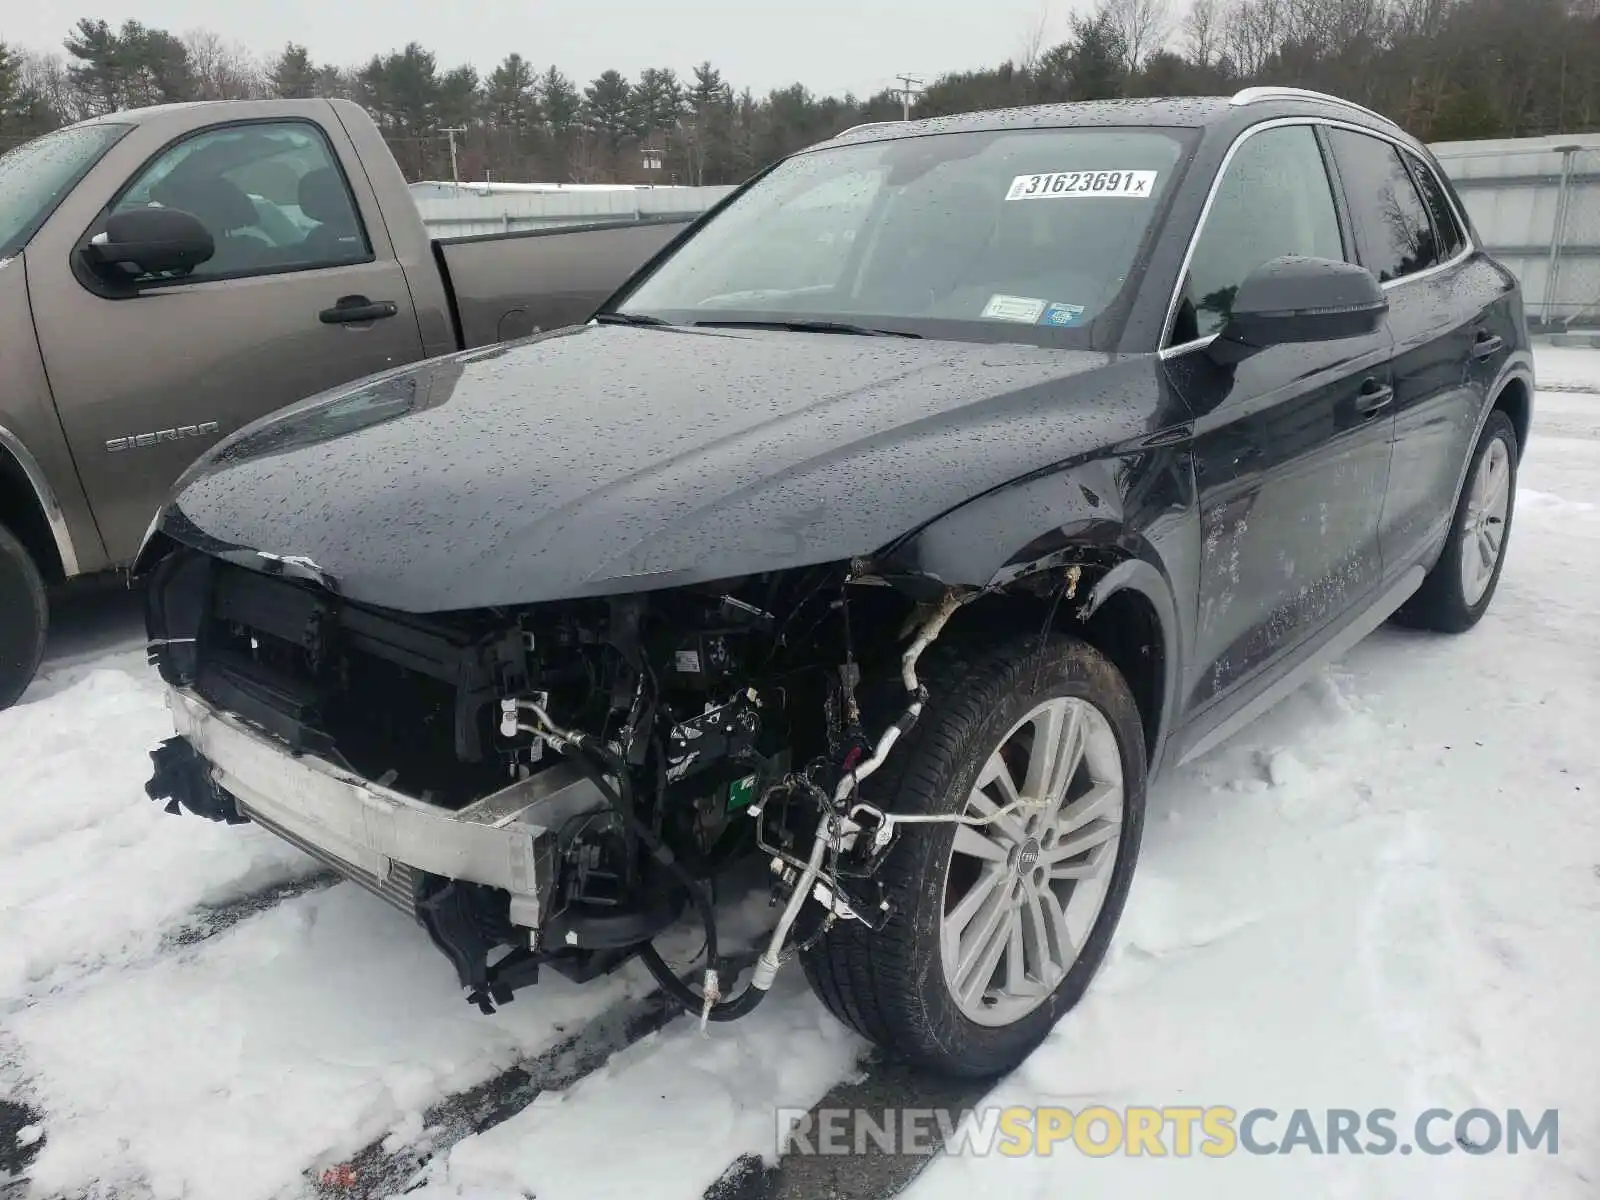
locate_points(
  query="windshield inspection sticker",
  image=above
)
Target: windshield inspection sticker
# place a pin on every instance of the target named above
(1062, 185)
(1014, 308)
(1062, 315)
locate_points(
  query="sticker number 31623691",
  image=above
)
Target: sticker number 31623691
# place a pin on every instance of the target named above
(1059, 185)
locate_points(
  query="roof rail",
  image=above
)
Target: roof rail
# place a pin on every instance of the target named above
(867, 125)
(1256, 95)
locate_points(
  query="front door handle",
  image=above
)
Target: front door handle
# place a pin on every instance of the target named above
(1373, 397)
(349, 310)
(1487, 346)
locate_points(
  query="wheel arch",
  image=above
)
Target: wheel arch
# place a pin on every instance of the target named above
(28, 508)
(1515, 399)
(1120, 604)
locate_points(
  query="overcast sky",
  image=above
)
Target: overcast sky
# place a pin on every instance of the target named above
(832, 46)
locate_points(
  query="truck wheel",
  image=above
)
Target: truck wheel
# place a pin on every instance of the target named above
(1457, 592)
(996, 930)
(26, 617)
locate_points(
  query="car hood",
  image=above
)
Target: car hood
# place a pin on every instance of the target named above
(608, 459)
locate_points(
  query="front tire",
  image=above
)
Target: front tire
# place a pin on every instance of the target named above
(1459, 589)
(996, 931)
(24, 618)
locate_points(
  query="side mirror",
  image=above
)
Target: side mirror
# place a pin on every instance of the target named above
(151, 241)
(1294, 299)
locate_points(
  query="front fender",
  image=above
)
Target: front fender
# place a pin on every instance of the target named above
(1134, 516)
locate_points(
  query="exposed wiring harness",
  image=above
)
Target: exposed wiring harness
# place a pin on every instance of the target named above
(590, 755)
(837, 828)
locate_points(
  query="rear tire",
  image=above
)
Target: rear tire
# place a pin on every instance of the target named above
(24, 618)
(924, 987)
(1459, 589)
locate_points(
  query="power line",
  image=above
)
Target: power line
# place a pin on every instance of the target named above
(911, 86)
(452, 131)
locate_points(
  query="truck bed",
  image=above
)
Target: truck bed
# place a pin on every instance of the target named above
(509, 285)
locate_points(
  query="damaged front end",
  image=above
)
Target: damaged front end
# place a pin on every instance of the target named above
(554, 785)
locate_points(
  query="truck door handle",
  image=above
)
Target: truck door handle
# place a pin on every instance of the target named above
(1373, 396)
(1487, 346)
(351, 309)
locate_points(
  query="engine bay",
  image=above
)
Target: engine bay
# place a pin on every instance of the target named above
(703, 725)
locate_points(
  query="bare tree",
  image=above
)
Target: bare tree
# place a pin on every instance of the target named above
(1202, 31)
(1422, 18)
(1254, 32)
(1033, 39)
(45, 75)
(224, 70)
(1143, 25)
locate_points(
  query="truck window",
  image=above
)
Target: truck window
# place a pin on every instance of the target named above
(37, 174)
(270, 193)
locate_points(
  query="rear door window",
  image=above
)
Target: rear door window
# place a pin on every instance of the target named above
(1452, 239)
(1394, 234)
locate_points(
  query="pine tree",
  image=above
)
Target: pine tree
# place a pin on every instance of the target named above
(291, 75)
(607, 109)
(562, 105)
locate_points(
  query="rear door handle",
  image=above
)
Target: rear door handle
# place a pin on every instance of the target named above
(351, 309)
(1487, 346)
(1373, 397)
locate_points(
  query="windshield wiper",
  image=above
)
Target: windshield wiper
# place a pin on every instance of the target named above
(812, 327)
(628, 318)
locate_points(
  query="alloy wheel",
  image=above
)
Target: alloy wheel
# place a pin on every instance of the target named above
(1024, 890)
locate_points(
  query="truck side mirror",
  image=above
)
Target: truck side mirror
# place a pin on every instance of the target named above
(151, 241)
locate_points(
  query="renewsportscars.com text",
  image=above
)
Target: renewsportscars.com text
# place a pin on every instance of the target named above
(1177, 1131)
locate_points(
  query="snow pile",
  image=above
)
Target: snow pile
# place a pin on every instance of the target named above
(94, 872)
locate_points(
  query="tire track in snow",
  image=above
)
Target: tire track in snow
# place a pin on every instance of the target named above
(873, 1174)
(383, 1169)
(212, 919)
(206, 922)
(21, 1139)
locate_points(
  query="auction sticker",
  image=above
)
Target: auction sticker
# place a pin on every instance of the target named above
(1063, 185)
(1014, 308)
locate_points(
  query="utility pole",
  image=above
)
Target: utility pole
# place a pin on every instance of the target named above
(910, 86)
(452, 131)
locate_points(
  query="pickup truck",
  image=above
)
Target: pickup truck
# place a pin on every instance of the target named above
(170, 274)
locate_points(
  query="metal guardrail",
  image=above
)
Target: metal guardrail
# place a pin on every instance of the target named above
(468, 213)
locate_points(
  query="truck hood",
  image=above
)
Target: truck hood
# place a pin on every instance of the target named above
(608, 459)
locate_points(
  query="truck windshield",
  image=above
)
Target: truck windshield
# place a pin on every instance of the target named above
(1016, 235)
(36, 175)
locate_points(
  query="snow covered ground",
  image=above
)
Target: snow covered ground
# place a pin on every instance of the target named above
(1386, 894)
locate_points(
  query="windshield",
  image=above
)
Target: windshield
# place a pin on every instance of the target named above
(1027, 235)
(37, 174)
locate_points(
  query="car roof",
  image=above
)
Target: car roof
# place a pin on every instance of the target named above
(1184, 112)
